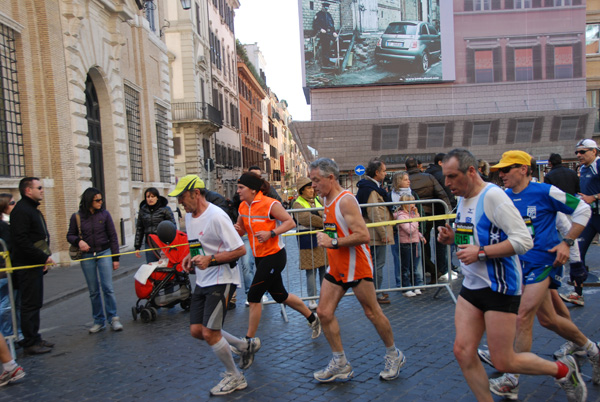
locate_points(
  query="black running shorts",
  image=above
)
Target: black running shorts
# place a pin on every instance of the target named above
(346, 285)
(487, 300)
(209, 305)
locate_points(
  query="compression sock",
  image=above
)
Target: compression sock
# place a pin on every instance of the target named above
(222, 351)
(578, 289)
(238, 343)
(311, 318)
(11, 365)
(591, 348)
(340, 358)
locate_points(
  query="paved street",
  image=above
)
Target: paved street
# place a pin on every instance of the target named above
(159, 361)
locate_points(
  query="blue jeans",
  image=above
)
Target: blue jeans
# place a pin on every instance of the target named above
(311, 280)
(412, 272)
(98, 274)
(6, 327)
(378, 258)
(247, 265)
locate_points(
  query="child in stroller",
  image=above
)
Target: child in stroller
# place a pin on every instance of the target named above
(163, 283)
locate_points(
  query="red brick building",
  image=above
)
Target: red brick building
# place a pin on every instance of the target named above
(251, 96)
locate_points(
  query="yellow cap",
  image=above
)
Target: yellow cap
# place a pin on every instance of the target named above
(510, 158)
(186, 183)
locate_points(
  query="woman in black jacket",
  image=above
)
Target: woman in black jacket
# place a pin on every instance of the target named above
(97, 241)
(153, 210)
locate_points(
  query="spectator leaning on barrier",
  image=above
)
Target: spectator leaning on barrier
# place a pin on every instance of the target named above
(428, 188)
(400, 187)
(370, 192)
(31, 246)
(312, 257)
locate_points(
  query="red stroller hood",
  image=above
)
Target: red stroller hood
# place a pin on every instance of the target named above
(175, 253)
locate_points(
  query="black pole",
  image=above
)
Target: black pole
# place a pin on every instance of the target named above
(122, 232)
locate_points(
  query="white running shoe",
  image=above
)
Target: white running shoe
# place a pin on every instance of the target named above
(312, 304)
(484, 356)
(418, 292)
(506, 386)
(569, 348)
(392, 366)
(316, 327)
(409, 293)
(248, 355)
(572, 383)
(333, 371)
(229, 384)
(595, 362)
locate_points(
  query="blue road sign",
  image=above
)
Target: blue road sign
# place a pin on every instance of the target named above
(359, 170)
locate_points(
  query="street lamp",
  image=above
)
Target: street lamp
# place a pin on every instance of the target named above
(186, 4)
(265, 159)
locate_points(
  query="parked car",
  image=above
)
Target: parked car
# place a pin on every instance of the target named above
(414, 41)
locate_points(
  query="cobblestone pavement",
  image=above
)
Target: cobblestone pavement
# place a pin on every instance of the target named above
(160, 361)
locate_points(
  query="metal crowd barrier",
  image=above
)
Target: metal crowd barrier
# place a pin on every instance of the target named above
(295, 278)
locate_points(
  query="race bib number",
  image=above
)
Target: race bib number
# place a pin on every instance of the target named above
(330, 230)
(196, 248)
(529, 224)
(464, 234)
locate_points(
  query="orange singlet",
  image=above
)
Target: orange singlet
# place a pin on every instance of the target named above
(346, 264)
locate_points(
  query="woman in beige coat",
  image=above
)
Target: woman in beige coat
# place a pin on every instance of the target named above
(312, 258)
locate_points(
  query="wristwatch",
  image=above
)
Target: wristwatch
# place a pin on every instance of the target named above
(596, 196)
(273, 233)
(213, 260)
(481, 255)
(570, 242)
(334, 243)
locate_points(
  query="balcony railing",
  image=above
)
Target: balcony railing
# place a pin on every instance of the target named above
(196, 111)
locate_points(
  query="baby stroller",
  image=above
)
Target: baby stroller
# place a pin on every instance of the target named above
(163, 283)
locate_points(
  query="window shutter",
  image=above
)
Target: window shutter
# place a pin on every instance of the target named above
(470, 65)
(494, 128)
(512, 130)
(467, 133)
(422, 139)
(578, 60)
(496, 4)
(537, 3)
(548, 3)
(468, 5)
(555, 129)
(581, 126)
(448, 134)
(549, 62)
(498, 64)
(510, 63)
(509, 4)
(537, 62)
(403, 136)
(376, 140)
(538, 126)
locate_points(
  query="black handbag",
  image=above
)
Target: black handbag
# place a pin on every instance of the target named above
(74, 251)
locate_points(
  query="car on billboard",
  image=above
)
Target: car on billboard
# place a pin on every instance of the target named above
(417, 42)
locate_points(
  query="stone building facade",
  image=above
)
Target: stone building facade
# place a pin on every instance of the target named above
(89, 97)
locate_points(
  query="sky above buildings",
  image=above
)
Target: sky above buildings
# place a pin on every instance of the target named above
(274, 25)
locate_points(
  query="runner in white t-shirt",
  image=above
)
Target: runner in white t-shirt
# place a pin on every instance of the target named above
(214, 244)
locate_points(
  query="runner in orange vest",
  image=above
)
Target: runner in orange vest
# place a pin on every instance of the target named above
(258, 216)
(346, 239)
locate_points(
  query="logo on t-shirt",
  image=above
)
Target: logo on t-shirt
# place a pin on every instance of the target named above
(531, 211)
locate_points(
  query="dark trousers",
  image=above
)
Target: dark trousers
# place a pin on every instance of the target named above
(441, 253)
(587, 236)
(31, 285)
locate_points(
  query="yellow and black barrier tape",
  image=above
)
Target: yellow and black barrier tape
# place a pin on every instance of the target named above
(4, 254)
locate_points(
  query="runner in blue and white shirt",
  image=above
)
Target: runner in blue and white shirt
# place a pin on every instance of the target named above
(489, 229)
(538, 204)
(589, 182)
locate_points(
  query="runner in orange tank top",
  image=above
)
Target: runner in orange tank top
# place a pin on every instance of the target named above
(346, 237)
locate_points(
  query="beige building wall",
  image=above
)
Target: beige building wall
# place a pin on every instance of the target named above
(58, 44)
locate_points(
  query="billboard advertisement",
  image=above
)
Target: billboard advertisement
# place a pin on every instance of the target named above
(376, 42)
